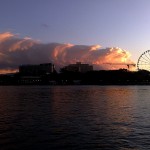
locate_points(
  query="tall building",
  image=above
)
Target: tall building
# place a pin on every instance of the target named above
(36, 70)
(78, 67)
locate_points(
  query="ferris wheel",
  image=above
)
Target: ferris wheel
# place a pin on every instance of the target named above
(144, 61)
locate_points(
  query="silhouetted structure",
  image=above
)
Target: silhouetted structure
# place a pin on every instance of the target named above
(78, 67)
(76, 74)
(36, 70)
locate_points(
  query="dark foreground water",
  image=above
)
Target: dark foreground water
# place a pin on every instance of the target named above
(74, 117)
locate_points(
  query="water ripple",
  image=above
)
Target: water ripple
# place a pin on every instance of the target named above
(74, 117)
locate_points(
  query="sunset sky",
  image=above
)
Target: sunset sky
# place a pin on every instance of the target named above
(108, 23)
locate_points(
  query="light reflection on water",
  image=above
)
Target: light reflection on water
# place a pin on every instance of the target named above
(74, 117)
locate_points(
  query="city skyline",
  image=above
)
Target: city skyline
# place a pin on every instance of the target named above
(102, 23)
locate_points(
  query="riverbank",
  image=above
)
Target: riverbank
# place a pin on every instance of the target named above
(102, 77)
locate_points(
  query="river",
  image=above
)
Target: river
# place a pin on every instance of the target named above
(74, 117)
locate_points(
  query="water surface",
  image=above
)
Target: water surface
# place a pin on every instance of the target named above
(74, 117)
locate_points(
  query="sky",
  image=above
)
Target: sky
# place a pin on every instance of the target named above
(108, 23)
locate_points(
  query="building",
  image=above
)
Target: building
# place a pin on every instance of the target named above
(78, 67)
(36, 70)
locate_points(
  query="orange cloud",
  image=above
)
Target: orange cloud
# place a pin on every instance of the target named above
(15, 51)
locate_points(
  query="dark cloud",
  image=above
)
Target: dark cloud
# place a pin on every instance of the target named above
(44, 25)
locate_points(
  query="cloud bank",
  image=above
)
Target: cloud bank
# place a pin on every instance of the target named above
(15, 51)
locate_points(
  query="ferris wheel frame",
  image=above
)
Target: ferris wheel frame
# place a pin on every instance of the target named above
(144, 61)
